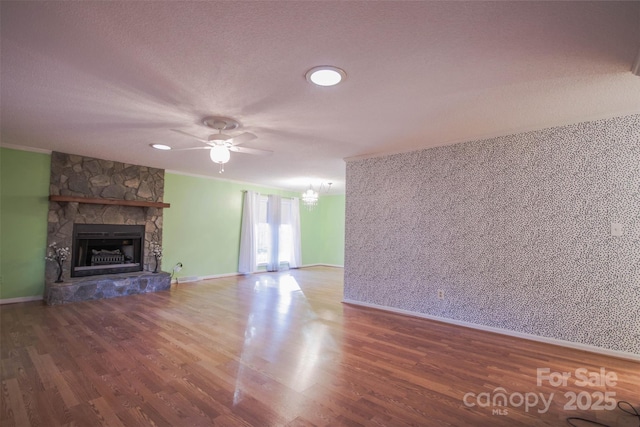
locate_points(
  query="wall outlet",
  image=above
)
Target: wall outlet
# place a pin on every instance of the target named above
(440, 294)
(616, 229)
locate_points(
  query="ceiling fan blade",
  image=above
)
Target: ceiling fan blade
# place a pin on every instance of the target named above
(188, 134)
(242, 138)
(247, 150)
(191, 148)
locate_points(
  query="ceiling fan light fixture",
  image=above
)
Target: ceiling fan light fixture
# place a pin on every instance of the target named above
(326, 75)
(161, 147)
(219, 154)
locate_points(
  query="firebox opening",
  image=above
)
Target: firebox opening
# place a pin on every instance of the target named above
(107, 249)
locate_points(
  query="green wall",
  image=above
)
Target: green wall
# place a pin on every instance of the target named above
(24, 205)
(201, 229)
(322, 232)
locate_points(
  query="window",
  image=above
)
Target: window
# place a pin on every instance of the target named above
(270, 233)
(285, 232)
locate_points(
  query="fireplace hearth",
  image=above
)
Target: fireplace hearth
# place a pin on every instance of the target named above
(99, 249)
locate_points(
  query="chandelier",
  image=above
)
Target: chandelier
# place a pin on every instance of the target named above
(310, 197)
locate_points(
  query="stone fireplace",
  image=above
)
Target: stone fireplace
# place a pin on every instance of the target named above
(108, 214)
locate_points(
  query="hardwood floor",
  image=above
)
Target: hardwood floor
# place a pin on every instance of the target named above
(280, 349)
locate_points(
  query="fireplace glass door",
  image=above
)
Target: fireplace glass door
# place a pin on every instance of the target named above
(107, 249)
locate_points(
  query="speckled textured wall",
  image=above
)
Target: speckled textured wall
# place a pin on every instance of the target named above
(515, 230)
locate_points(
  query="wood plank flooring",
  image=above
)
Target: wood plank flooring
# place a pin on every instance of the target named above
(280, 349)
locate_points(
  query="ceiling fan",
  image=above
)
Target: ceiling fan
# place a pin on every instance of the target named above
(219, 144)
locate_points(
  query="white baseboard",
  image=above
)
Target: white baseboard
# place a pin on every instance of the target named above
(20, 299)
(322, 265)
(531, 337)
(190, 279)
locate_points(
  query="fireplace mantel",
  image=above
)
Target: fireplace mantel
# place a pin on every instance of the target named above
(135, 203)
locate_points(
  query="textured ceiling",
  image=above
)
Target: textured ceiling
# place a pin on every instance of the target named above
(106, 79)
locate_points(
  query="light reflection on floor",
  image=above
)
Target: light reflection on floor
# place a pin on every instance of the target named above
(283, 325)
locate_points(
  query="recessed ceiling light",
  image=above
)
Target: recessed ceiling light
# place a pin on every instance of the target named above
(161, 147)
(326, 75)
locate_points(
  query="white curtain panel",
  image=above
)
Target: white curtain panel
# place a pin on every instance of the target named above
(249, 234)
(274, 213)
(296, 241)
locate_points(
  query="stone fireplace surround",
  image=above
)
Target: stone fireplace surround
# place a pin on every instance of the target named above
(85, 177)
